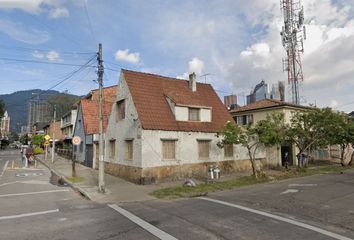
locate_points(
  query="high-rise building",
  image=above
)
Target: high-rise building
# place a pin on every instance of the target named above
(39, 111)
(230, 101)
(5, 126)
(261, 91)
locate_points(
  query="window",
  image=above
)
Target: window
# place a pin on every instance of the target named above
(120, 110)
(112, 148)
(228, 150)
(193, 114)
(244, 119)
(169, 149)
(203, 149)
(129, 149)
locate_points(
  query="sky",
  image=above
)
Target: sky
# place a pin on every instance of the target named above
(231, 44)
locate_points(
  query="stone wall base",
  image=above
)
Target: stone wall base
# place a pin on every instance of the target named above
(171, 173)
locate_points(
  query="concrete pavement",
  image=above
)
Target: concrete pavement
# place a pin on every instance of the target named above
(117, 189)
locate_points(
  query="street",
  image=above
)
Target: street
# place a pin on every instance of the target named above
(317, 207)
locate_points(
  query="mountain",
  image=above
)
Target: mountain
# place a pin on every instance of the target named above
(16, 105)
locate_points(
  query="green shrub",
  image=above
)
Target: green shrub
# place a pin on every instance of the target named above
(38, 150)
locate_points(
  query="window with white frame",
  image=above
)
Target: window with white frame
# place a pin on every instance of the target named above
(244, 119)
(193, 114)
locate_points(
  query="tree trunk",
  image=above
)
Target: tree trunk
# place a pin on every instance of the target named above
(351, 159)
(253, 163)
(342, 148)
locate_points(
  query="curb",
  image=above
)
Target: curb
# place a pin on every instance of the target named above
(72, 185)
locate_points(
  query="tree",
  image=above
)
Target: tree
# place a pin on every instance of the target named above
(317, 128)
(268, 132)
(37, 140)
(2, 108)
(63, 102)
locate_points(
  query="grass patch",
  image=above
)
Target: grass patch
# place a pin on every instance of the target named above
(76, 179)
(204, 188)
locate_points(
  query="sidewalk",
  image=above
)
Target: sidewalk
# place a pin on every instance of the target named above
(117, 189)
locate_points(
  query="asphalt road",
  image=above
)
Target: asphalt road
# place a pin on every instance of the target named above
(318, 207)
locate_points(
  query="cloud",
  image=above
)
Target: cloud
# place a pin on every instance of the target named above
(22, 33)
(37, 54)
(50, 55)
(58, 13)
(195, 65)
(53, 56)
(124, 55)
(51, 7)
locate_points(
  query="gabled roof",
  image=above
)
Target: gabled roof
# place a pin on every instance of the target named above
(149, 93)
(90, 110)
(265, 104)
(107, 93)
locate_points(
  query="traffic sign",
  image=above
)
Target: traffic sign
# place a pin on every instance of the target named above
(46, 137)
(76, 140)
(46, 143)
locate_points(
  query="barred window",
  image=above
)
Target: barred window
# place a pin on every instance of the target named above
(203, 149)
(112, 148)
(228, 150)
(193, 114)
(129, 149)
(169, 149)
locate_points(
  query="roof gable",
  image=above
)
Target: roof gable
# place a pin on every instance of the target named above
(149, 92)
(90, 110)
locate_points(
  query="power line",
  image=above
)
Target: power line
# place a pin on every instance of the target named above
(89, 22)
(43, 50)
(41, 62)
(67, 77)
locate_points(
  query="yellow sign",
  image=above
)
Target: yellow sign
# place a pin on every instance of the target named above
(46, 143)
(47, 137)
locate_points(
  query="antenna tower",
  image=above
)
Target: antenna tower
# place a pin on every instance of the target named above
(293, 34)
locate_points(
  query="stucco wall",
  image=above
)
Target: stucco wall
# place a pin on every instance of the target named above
(125, 129)
(181, 113)
(79, 131)
(186, 149)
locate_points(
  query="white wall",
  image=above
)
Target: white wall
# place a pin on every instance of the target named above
(186, 148)
(128, 128)
(205, 115)
(181, 113)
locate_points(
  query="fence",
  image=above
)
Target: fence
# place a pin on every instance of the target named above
(66, 153)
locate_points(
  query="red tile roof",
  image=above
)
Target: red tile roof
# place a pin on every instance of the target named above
(149, 92)
(90, 109)
(107, 93)
(265, 103)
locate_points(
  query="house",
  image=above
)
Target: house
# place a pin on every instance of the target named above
(86, 125)
(254, 112)
(67, 124)
(165, 128)
(53, 130)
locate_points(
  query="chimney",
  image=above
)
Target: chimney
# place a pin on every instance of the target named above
(193, 82)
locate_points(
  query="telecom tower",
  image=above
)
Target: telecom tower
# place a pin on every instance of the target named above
(293, 34)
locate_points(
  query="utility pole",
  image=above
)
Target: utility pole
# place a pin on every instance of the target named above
(53, 148)
(101, 184)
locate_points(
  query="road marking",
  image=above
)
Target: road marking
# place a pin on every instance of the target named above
(299, 224)
(302, 185)
(28, 214)
(32, 193)
(28, 174)
(4, 169)
(289, 191)
(147, 226)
